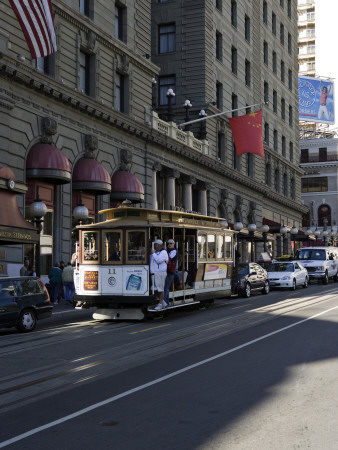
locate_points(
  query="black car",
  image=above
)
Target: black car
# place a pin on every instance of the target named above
(252, 277)
(23, 301)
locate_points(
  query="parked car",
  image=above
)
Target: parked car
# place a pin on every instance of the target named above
(23, 301)
(288, 274)
(251, 278)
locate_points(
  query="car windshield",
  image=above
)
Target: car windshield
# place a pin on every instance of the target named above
(305, 254)
(280, 267)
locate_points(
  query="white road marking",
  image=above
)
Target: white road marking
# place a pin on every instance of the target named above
(152, 383)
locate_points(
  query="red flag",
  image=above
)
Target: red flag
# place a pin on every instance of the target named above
(247, 133)
(36, 21)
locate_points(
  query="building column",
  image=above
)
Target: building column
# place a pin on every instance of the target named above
(156, 168)
(203, 197)
(170, 177)
(187, 183)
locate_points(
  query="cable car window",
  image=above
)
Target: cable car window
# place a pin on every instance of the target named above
(228, 247)
(91, 246)
(136, 247)
(112, 247)
(219, 246)
(211, 246)
(202, 247)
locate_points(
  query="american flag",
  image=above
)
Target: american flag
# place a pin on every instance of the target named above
(36, 20)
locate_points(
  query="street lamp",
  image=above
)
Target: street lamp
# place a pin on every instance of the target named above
(170, 95)
(153, 92)
(38, 211)
(252, 228)
(317, 234)
(187, 105)
(203, 130)
(293, 233)
(265, 230)
(283, 230)
(308, 232)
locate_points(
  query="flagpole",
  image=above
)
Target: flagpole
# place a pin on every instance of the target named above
(219, 114)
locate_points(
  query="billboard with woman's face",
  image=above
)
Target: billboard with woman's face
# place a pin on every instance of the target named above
(316, 100)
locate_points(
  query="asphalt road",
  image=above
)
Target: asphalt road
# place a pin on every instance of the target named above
(258, 373)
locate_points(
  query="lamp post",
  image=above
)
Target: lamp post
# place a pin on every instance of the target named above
(317, 234)
(203, 130)
(153, 92)
(293, 233)
(238, 226)
(187, 105)
(170, 95)
(38, 210)
(283, 230)
(265, 230)
(325, 232)
(308, 232)
(252, 228)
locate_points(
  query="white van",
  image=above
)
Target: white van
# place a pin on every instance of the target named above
(320, 262)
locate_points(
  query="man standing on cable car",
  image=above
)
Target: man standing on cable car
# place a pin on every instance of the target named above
(158, 266)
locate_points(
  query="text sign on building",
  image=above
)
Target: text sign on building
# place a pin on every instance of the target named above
(316, 100)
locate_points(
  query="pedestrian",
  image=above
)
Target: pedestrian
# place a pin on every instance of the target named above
(62, 287)
(158, 267)
(55, 280)
(24, 268)
(68, 282)
(171, 269)
(31, 271)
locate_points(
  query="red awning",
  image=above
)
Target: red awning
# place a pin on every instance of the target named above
(126, 186)
(90, 176)
(45, 161)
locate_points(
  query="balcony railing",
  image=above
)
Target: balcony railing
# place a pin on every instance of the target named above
(315, 159)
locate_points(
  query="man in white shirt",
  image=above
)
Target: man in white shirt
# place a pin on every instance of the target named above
(158, 266)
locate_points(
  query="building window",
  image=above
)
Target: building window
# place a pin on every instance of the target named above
(247, 28)
(291, 151)
(234, 105)
(167, 38)
(290, 79)
(219, 95)
(283, 108)
(46, 65)
(87, 74)
(266, 92)
(323, 154)
(304, 155)
(273, 23)
(292, 189)
(265, 12)
(290, 116)
(120, 23)
(236, 160)
(234, 60)
(219, 5)
(247, 73)
(219, 46)
(285, 185)
(275, 140)
(315, 184)
(324, 215)
(283, 146)
(274, 62)
(281, 33)
(282, 71)
(289, 44)
(289, 8)
(266, 53)
(266, 132)
(268, 174)
(274, 101)
(277, 183)
(121, 93)
(221, 147)
(234, 13)
(86, 8)
(165, 83)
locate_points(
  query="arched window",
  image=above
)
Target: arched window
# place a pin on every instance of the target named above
(324, 212)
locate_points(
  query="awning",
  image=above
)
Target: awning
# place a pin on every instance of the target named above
(14, 229)
(45, 161)
(126, 186)
(90, 176)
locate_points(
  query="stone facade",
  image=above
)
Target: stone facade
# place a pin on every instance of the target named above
(100, 83)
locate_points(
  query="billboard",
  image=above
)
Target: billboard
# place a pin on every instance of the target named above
(316, 100)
